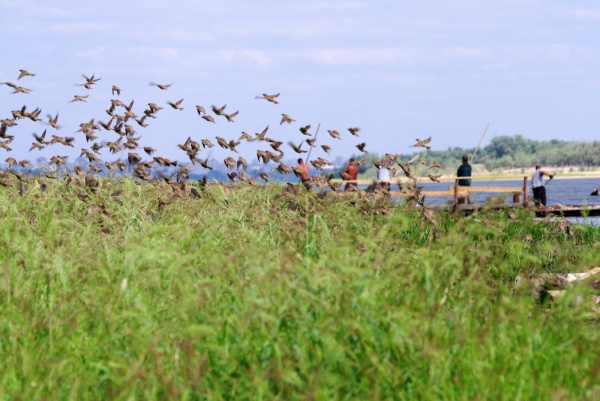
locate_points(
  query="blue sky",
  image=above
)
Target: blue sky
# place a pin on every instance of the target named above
(399, 70)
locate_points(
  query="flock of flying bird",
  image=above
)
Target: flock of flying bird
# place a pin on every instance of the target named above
(121, 120)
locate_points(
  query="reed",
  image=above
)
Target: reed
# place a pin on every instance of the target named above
(259, 294)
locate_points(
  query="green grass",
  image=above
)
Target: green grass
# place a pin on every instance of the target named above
(251, 294)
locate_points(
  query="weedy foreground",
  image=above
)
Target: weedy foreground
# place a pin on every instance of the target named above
(117, 291)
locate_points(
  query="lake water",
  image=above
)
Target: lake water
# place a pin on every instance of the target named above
(573, 191)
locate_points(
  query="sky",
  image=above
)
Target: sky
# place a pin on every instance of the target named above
(399, 70)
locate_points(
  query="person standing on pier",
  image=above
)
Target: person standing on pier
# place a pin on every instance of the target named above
(538, 186)
(350, 174)
(304, 174)
(383, 176)
(465, 171)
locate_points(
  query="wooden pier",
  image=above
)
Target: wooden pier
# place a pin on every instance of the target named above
(520, 199)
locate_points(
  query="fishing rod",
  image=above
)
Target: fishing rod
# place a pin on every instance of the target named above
(311, 147)
(480, 139)
(314, 141)
(551, 178)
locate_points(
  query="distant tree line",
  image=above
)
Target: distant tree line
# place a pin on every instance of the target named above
(516, 151)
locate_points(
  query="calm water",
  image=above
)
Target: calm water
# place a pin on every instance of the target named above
(575, 191)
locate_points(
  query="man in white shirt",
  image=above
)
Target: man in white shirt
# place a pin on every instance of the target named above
(537, 184)
(383, 176)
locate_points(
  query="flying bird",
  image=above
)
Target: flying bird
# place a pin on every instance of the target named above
(242, 162)
(261, 136)
(304, 130)
(96, 147)
(297, 149)
(176, 105)
(141, 122)
(20, 89)
(115, 147)
(89, 81)
(361, 147)
(58, 160)
(154, 107)
(4, 145)
(354, 130)
(286, 119)
(204, 163)
(79, 98)
(232, 144)
(133, 158)
(206, 143)
(334, 134)
(406, 169)
(230, 117)
(422, 143)
(53, 121)
(25, 73)
(209, 118)
(218, 110)
(222, 142)
(270, 98)
(161, 86)
(283, 169)
(230, 162)
(246, 136)
(37, 146)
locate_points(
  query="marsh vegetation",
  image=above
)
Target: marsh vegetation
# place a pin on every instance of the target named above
(265, 292)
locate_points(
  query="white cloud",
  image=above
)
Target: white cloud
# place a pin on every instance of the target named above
(584, 14)
(358, 56)
(95, 54)
(336, 5)
(465, 52)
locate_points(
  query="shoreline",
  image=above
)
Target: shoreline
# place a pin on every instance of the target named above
(479, 173)
(483, 177)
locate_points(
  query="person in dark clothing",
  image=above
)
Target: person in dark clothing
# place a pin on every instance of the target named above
(465, 171)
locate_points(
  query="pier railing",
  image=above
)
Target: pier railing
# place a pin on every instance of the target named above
(460, 193)
(520, 198)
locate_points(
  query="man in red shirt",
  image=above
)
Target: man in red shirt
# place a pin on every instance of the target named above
(350, 174)
(304, 174)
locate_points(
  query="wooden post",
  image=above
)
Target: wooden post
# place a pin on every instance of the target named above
(455, 193)
(525, 200)
(517, 198)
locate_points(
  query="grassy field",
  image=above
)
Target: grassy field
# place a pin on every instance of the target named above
(258, 293)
